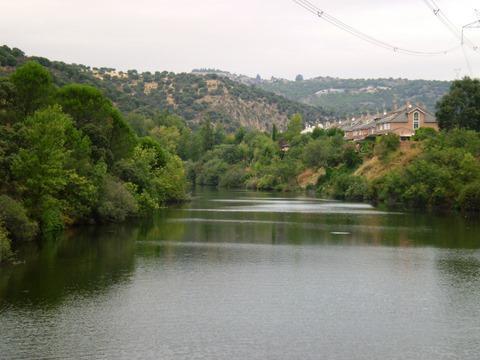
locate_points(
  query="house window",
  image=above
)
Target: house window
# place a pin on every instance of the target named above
(416, 120)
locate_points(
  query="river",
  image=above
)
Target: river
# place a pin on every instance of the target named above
(247, 275)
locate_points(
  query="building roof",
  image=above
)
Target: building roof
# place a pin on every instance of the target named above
(401, 115)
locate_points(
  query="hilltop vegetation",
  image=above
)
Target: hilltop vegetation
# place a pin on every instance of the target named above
(355, 96)
(191, 96)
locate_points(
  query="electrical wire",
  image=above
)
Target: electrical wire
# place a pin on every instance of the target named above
(307, 5)
(454, 29)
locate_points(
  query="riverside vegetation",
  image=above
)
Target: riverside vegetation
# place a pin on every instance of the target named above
(434, 170)
(68, 156)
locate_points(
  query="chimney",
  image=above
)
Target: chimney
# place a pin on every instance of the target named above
(395, 105)
(409, 104)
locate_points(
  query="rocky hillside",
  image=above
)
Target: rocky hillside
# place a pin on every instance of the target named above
(192, 96)
(347, 97)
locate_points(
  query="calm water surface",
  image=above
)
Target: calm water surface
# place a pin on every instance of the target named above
(243, 275)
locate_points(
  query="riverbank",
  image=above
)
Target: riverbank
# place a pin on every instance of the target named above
(67, 156)
(433, 171)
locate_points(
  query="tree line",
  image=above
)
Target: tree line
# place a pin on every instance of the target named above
(67, 156)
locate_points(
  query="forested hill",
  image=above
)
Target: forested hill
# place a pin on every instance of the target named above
(354, 96)
(192, 96)
(346, 97)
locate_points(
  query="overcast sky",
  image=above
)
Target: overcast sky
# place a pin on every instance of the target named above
(269, 37)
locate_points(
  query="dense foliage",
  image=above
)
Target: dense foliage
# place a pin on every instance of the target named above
(460, 108)
(444, 174)
(354, 96)
(68, 156)
(189, 95)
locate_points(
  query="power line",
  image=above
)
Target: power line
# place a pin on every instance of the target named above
(307, 5)
(454, 29)
(459, 34)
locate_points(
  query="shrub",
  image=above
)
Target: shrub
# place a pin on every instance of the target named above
(267, 182)
(169, 181)
(387, 144)
(350, 156)
(116, 202)
(15, 219)
(469, 198)
(211, 172)
(234, 178)
(349, 187)
(323, 152)
(51, 215)
(357, 190)
(389, 188)
(424, 133)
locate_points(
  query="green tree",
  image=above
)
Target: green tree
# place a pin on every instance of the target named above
(460, 108)
(33, 87)
(207, 135)
(111, 137)
(40, 167)
(167, 136)
(294, 127)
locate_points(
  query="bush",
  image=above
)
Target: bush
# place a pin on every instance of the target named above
(211, 172)
(15, 219)
(324, 152)
(50, 215)
(234, 178)
(116, 202)
(349, 187)
(350, 156)
(387, 144)
(389, 188)
(267, 182)
(424, 133)
(469, 198)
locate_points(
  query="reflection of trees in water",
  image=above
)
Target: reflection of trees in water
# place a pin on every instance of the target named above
(405, 230)
(84, 261)
(89, 260)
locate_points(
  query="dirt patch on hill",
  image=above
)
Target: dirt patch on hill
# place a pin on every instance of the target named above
(309, 177)
(375, 168)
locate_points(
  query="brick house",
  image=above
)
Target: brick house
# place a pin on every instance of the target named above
(403, 122)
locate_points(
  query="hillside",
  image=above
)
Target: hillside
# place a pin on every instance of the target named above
(346, 97)
(192, 96)
(355, 96)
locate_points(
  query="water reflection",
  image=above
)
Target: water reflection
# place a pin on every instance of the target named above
(199, 282)
(83, 261)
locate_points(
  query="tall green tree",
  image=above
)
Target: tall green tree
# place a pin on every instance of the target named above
(111, 137)
(33, 87)
(460, 108)
(207, 135)
(40, 168)
(294, 127)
